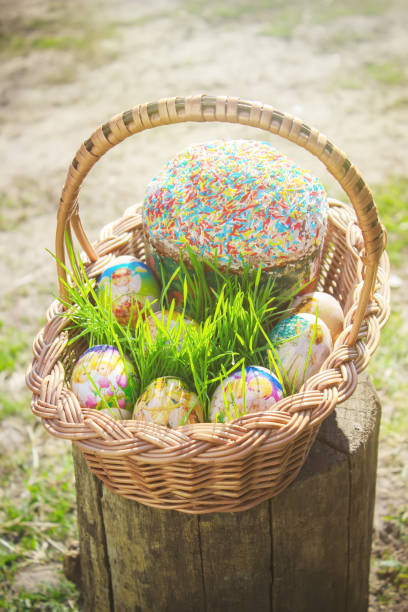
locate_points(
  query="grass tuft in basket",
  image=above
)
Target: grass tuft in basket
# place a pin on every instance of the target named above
(235, 315)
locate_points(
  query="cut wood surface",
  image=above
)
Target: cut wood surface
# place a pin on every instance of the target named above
(306, 549)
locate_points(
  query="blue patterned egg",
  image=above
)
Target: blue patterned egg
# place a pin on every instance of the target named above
(102, 379)
(301, 344)
(255, 389)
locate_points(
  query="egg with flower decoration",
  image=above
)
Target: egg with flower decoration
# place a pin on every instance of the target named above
(251, 390)
(167, 401)
(301, 343)
(102, 379)
(129, 284)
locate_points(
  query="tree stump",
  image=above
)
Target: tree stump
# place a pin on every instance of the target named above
(307, 549)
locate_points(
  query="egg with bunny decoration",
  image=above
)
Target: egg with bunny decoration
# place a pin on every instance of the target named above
(102, 379)
(129, 284)
(250, 390)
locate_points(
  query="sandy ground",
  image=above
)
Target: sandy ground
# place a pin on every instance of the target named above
(167, 50)
(346, 75)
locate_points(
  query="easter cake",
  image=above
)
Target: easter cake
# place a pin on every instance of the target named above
(239, 202)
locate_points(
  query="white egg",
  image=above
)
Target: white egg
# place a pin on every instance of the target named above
(327, 307)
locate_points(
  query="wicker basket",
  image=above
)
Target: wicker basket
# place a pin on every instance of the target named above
(208, 467)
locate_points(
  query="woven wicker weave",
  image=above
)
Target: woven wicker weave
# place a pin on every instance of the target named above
(210, 467)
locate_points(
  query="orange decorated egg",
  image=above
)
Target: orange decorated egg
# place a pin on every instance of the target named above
(167, 401)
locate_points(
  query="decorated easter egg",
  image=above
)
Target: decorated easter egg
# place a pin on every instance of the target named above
(327, 307)
(302, 343)
(167, 401)
(101, 379)
(239, 202)
(236, 395)
(131, 284)
(171, 323)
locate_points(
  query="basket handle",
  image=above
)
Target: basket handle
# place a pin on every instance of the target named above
(230, 110)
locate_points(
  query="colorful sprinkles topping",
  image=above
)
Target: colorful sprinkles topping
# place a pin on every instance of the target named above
(238, 200)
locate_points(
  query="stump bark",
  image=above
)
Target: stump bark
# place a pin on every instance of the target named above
(307, 549)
